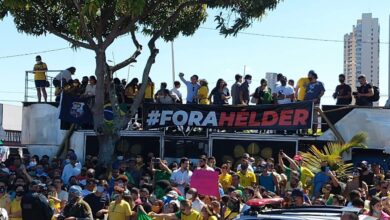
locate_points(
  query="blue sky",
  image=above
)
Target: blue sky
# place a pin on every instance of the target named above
(213, 56)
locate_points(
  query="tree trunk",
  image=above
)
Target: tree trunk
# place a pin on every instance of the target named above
(145, 75)
(105, 137)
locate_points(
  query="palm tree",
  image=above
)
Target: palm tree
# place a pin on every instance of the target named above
(332, 154)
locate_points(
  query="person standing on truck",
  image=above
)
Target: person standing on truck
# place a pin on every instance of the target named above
(40, 69)
(364, 92)
(192, 88)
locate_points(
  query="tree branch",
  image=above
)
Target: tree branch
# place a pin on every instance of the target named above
(114, 33)
(133, 58)
(52, 30)
(130, 25)
(84, 27)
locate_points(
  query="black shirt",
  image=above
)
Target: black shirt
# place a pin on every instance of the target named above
(244, 88)
(368, 179)
(35, 204)
(343, 90)
(364, 101)
(97, 203)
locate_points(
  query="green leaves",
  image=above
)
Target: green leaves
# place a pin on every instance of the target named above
(131, 8)
(104, 17)
(332, 154)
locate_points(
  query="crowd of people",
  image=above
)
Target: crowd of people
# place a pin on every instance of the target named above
(137, 187)
(284, 91)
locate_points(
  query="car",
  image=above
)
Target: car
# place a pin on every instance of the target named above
(272, 209)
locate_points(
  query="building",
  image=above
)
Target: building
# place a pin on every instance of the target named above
(388, 84)
(271, 79)
(10, 130)
(361, 51)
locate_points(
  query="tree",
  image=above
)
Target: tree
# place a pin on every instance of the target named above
(332, 153)
(95, 24)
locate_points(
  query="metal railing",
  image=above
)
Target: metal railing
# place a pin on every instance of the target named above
(12, 137)
(30, 93)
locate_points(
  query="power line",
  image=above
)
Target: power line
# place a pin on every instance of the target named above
(294, 37)
(213, 29)
(33, 53)
(10, 92)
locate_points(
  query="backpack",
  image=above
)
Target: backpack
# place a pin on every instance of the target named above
(376, 95)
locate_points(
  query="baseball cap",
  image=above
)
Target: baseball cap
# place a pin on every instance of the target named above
(75, 190)
(35, 182)
(172, 194)
(298, 157)
(245, 155)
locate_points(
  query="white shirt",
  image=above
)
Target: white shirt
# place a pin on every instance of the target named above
(285, 90)
(197, 205)
(64, 74)
(70, 171)
(177, 92)
(181, 179)
(90, 90)
(250, 168)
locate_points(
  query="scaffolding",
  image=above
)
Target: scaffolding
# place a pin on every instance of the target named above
(30, 92)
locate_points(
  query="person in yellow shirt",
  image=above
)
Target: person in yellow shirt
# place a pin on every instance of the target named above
(131, 91)
(186, 213)
(15, 212)
(247, 178)
(300, 89)
(203, 92)
(4, 197)
(149, 92)
(40, 69)
(225, 179)
(119, 209)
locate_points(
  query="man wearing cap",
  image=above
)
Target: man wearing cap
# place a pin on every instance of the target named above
(364, 92)
(366, 175)
(119, 209)
(295, 164)
(247, 177)
(35, 204)
(245, 156)
(71, 169)
(122, 181)
(77, 207)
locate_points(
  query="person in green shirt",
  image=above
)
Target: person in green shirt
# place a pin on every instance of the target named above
(162, 172)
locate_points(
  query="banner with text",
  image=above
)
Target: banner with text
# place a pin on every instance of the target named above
(268, 117)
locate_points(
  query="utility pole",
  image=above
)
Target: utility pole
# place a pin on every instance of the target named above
(173, 63)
